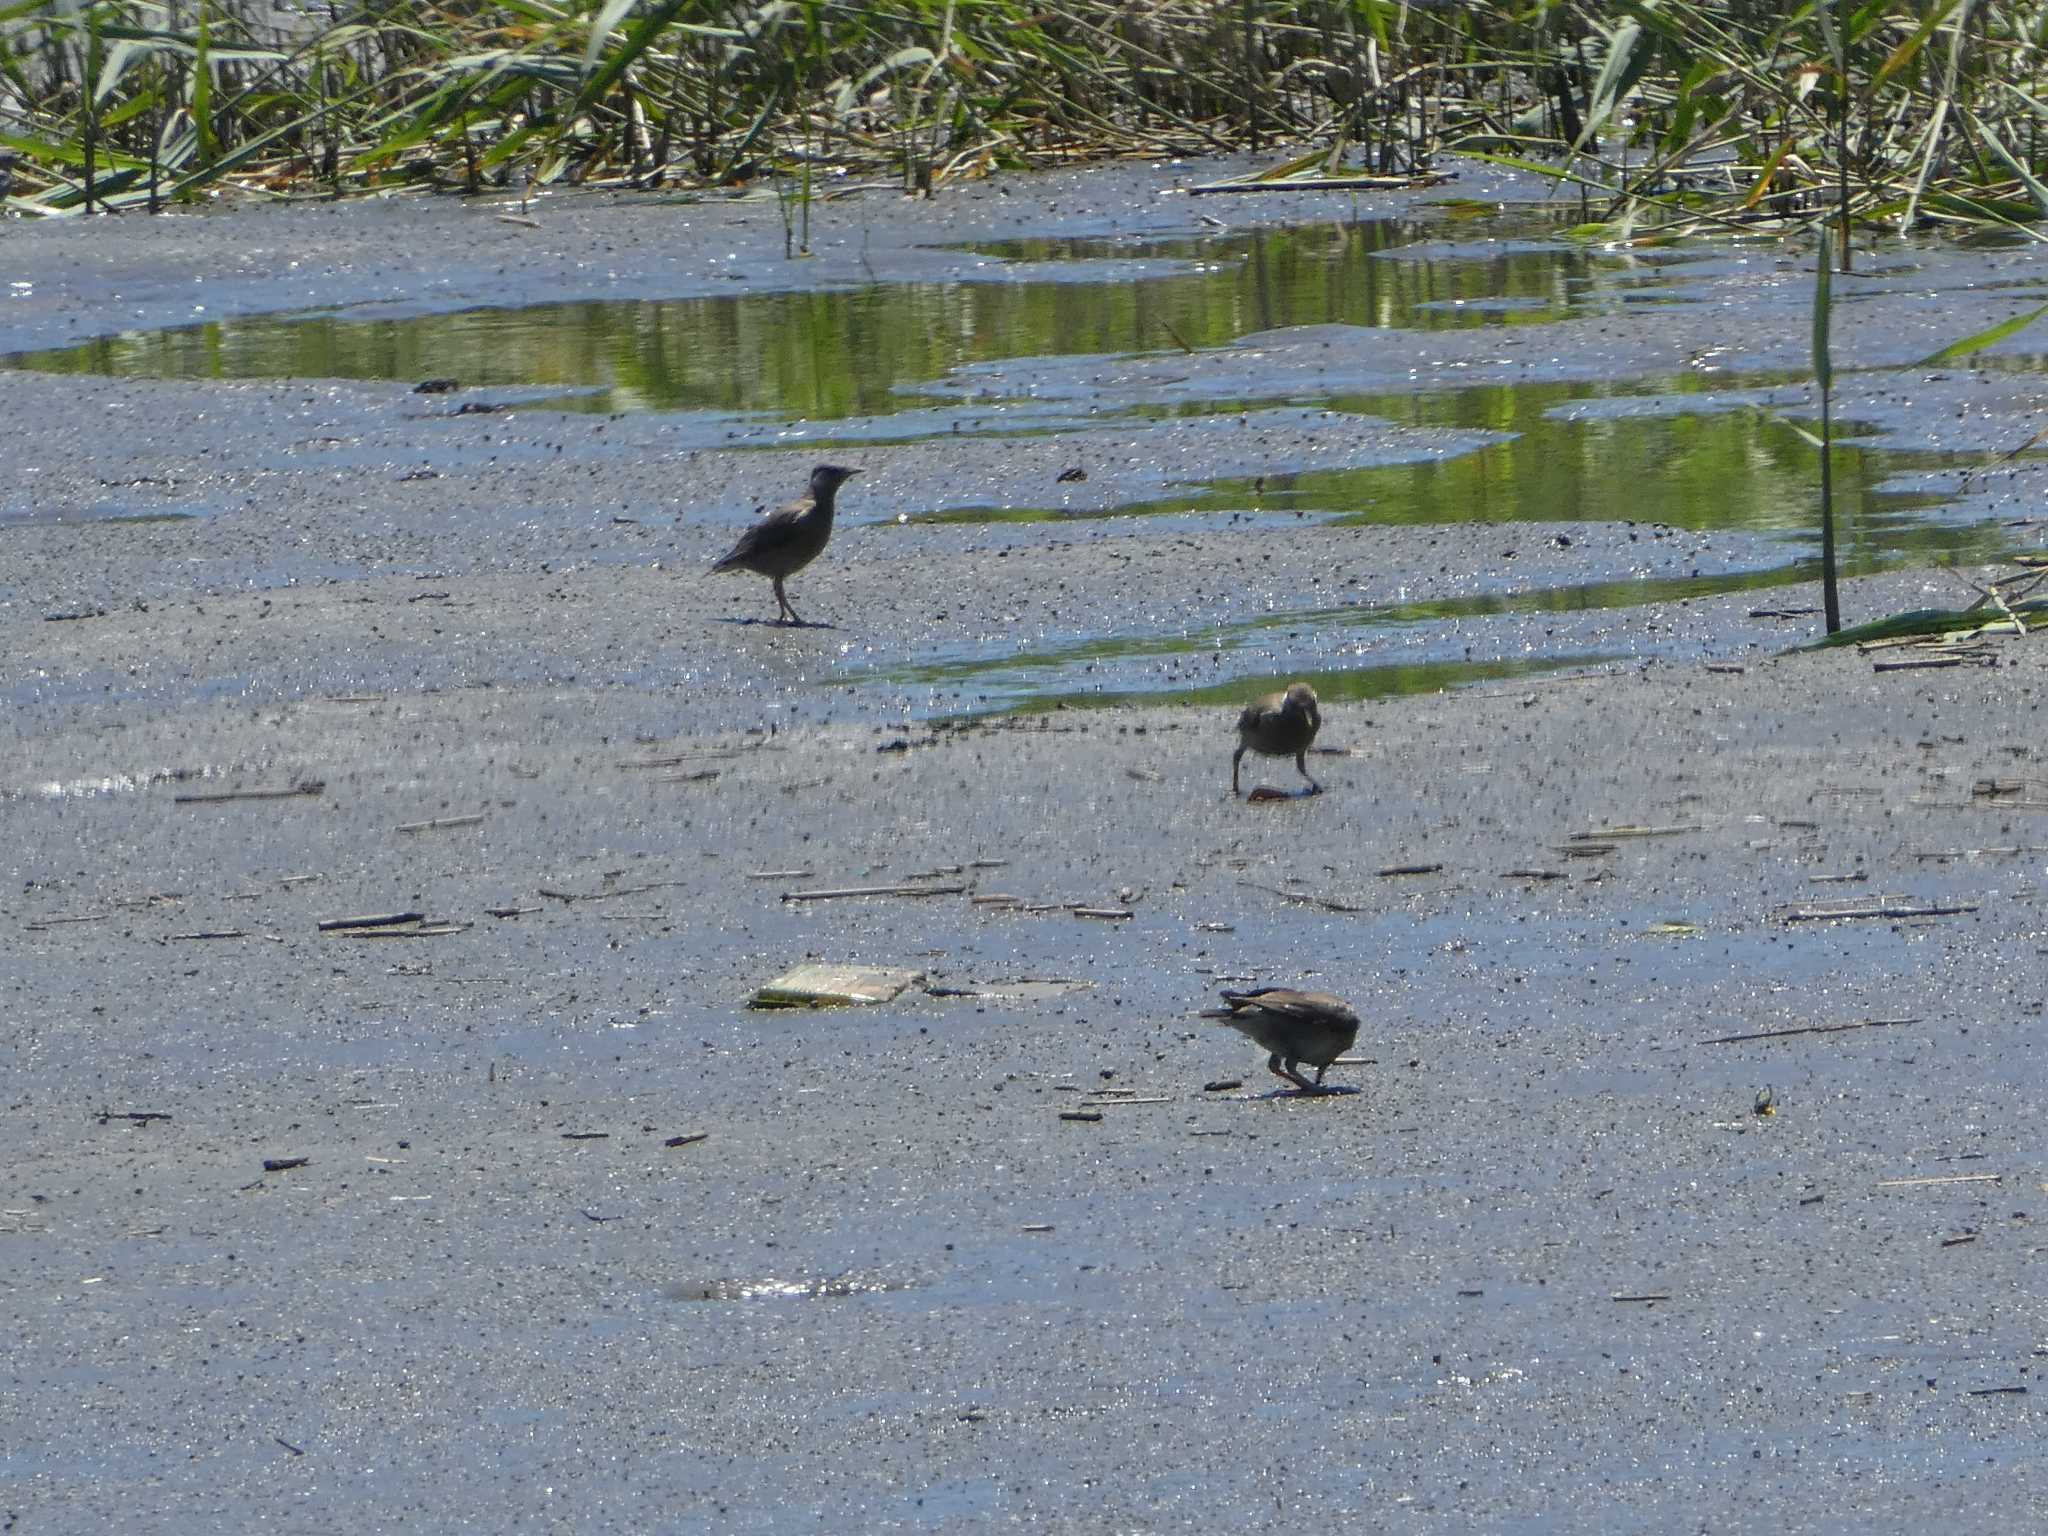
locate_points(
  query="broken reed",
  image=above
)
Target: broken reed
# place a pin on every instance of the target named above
(1896, 113)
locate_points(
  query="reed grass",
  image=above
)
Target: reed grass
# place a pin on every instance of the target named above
(1728, 114)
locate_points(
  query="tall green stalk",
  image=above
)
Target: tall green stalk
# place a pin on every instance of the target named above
(1824, 375)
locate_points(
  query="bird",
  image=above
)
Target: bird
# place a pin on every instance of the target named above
(790, 537)
(1279, 725)
(1297, 1027)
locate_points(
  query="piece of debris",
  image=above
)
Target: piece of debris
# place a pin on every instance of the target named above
(1807, 1029)
(373, 920)
(221, 796)
(1836, 914)
(844, 892)
(814, 985)
(443, 823)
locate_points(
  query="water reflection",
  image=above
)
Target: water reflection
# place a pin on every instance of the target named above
(828, 355)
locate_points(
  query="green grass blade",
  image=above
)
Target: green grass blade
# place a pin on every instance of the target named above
(1983, 339)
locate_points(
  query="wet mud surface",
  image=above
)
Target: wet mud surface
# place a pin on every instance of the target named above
(1549, 1268)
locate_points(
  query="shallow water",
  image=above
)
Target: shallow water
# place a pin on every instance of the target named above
(1053, 337)
(835, 354)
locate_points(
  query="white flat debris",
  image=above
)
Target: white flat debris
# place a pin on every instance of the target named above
(831, 986)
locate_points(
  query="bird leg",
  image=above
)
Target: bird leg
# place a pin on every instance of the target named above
(1285, 1069)
(1301, 762)
(1235, 758)
(785, 613)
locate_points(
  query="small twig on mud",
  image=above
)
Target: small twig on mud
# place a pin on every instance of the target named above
(443, 823)
(1808, 1029)
(1306, 898)
(1830, 914)
(375, 920)
(624, 890)
(841, 892)
(1606, 834)
(1922, 663)
(222, 796)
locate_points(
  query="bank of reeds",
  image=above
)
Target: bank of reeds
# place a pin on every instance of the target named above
(1734, 112)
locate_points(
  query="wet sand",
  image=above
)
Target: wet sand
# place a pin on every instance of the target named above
(1547, 1267)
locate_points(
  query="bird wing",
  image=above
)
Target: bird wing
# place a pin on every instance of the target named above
(764, 534)
(1310, 1007)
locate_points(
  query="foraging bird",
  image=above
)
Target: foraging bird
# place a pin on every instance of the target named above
(790, 537)
(1279, 725)
(1296, 1027)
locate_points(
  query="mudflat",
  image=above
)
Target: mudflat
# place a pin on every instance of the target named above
(1695, 1166)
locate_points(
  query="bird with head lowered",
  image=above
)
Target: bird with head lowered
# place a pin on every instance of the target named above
(1296, 1027)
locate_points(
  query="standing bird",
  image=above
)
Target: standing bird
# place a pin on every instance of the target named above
(1296, 1027)
(790, 537)
(1279, 725)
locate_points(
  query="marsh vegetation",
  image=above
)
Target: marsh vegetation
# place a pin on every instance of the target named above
(1881, 113)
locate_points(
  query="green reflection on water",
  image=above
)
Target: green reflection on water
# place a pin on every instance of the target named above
(1043, 679)
(1012, 670)
(1740, 469)
(864, 351)
(1391, 680)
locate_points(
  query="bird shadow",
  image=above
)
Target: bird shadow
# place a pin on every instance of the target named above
(1265, 792)
(782, 623)
(1327, 1091)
